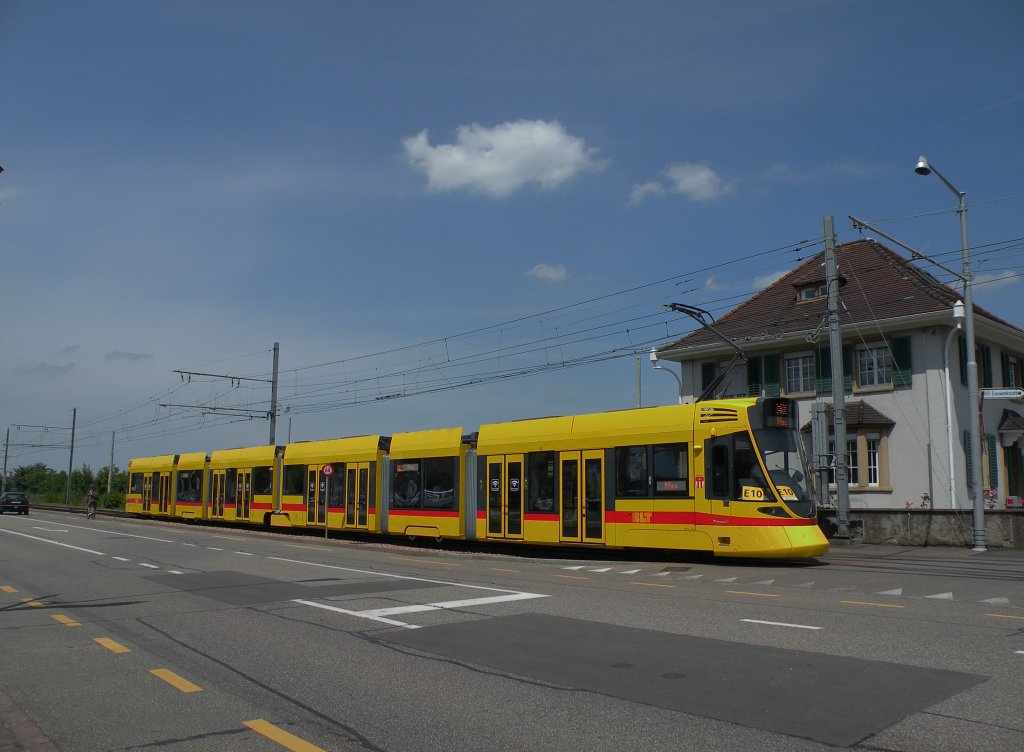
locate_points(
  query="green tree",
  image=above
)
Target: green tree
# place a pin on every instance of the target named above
(36, 478)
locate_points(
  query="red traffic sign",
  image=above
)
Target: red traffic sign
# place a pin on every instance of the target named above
(327, 470)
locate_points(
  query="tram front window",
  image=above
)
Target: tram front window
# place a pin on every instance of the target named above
(783, 457)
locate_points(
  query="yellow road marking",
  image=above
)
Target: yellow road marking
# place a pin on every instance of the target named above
(32, 603)
(8, 589)
(1005, 616)
(282, 737)
(296, 545)
(67, 621)
(174, 680)
(876, 605)
(652, 584)
(759, 595)
(229, 537)
(570, 577)
(496, 569)
(426, 561)
(114, 647)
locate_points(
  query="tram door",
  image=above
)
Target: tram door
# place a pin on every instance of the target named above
(165, 492)
(243, 496)
(316, 497)
(357, 494)
(582, 510)
(505, 496)
(147, 490)
(217, 495)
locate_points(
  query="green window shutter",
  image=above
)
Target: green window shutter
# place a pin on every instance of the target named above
(986, 366)
(1007, 376)
(823, 370)
(771, 385)
(847, 368)
(901, 367)
(993, 462)
(707, 375)
(754, 379)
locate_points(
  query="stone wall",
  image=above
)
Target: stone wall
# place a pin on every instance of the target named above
(1004, 528)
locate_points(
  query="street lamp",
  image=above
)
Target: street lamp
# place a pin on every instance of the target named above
(655, 364)
(925, 168)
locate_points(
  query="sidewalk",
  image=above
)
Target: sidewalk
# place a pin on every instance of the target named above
(18, 733)
(839, 548)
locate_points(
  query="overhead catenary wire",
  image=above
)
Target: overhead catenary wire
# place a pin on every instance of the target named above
(582, 333)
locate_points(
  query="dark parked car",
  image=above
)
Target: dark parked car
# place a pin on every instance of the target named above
(13, 502)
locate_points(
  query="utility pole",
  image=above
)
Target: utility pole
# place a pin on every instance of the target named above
(273, 395)
(71, 456)
(110, 467)
(835, 346)
(237, 380)
(7, 441)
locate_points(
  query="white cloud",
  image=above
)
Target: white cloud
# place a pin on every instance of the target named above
(992, 280)
(713, 286)
(548, 272)
(643, 190)
(499, 161)
(695, 181)
(121, 355)
(767, 280)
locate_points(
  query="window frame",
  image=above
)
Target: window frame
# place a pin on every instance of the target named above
(806, 366)
(880, 376)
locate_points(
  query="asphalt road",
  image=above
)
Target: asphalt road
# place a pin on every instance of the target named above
(137, 635)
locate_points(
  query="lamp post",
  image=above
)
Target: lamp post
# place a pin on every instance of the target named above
(679, 381)
(925, 168)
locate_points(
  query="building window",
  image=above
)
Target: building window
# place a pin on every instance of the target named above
(852, 473)
(799, 373)
(874, 365)
(872, 461)
(812, 292)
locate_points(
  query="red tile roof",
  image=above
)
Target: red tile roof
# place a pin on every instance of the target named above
(875, 284)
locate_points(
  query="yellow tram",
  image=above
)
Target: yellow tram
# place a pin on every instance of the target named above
(724, 476)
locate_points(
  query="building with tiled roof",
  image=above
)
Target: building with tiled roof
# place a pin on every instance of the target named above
(902, 346)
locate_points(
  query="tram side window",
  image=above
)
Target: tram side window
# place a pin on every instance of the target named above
(190, 485)
(671, 470)
(263, 480)
(425, 483)
(136, 483)
(294, 480)
(407, 485)
(719, 471)
(750, 483)
(631, 472)
(439, 483)
(735, 472)
(540, 482)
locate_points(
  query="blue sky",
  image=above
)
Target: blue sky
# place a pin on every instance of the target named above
(413, 197)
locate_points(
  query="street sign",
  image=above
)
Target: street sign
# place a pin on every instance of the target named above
(1002, 393)
(327, 470)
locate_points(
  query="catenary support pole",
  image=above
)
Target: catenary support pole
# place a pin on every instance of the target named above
(835, 345)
